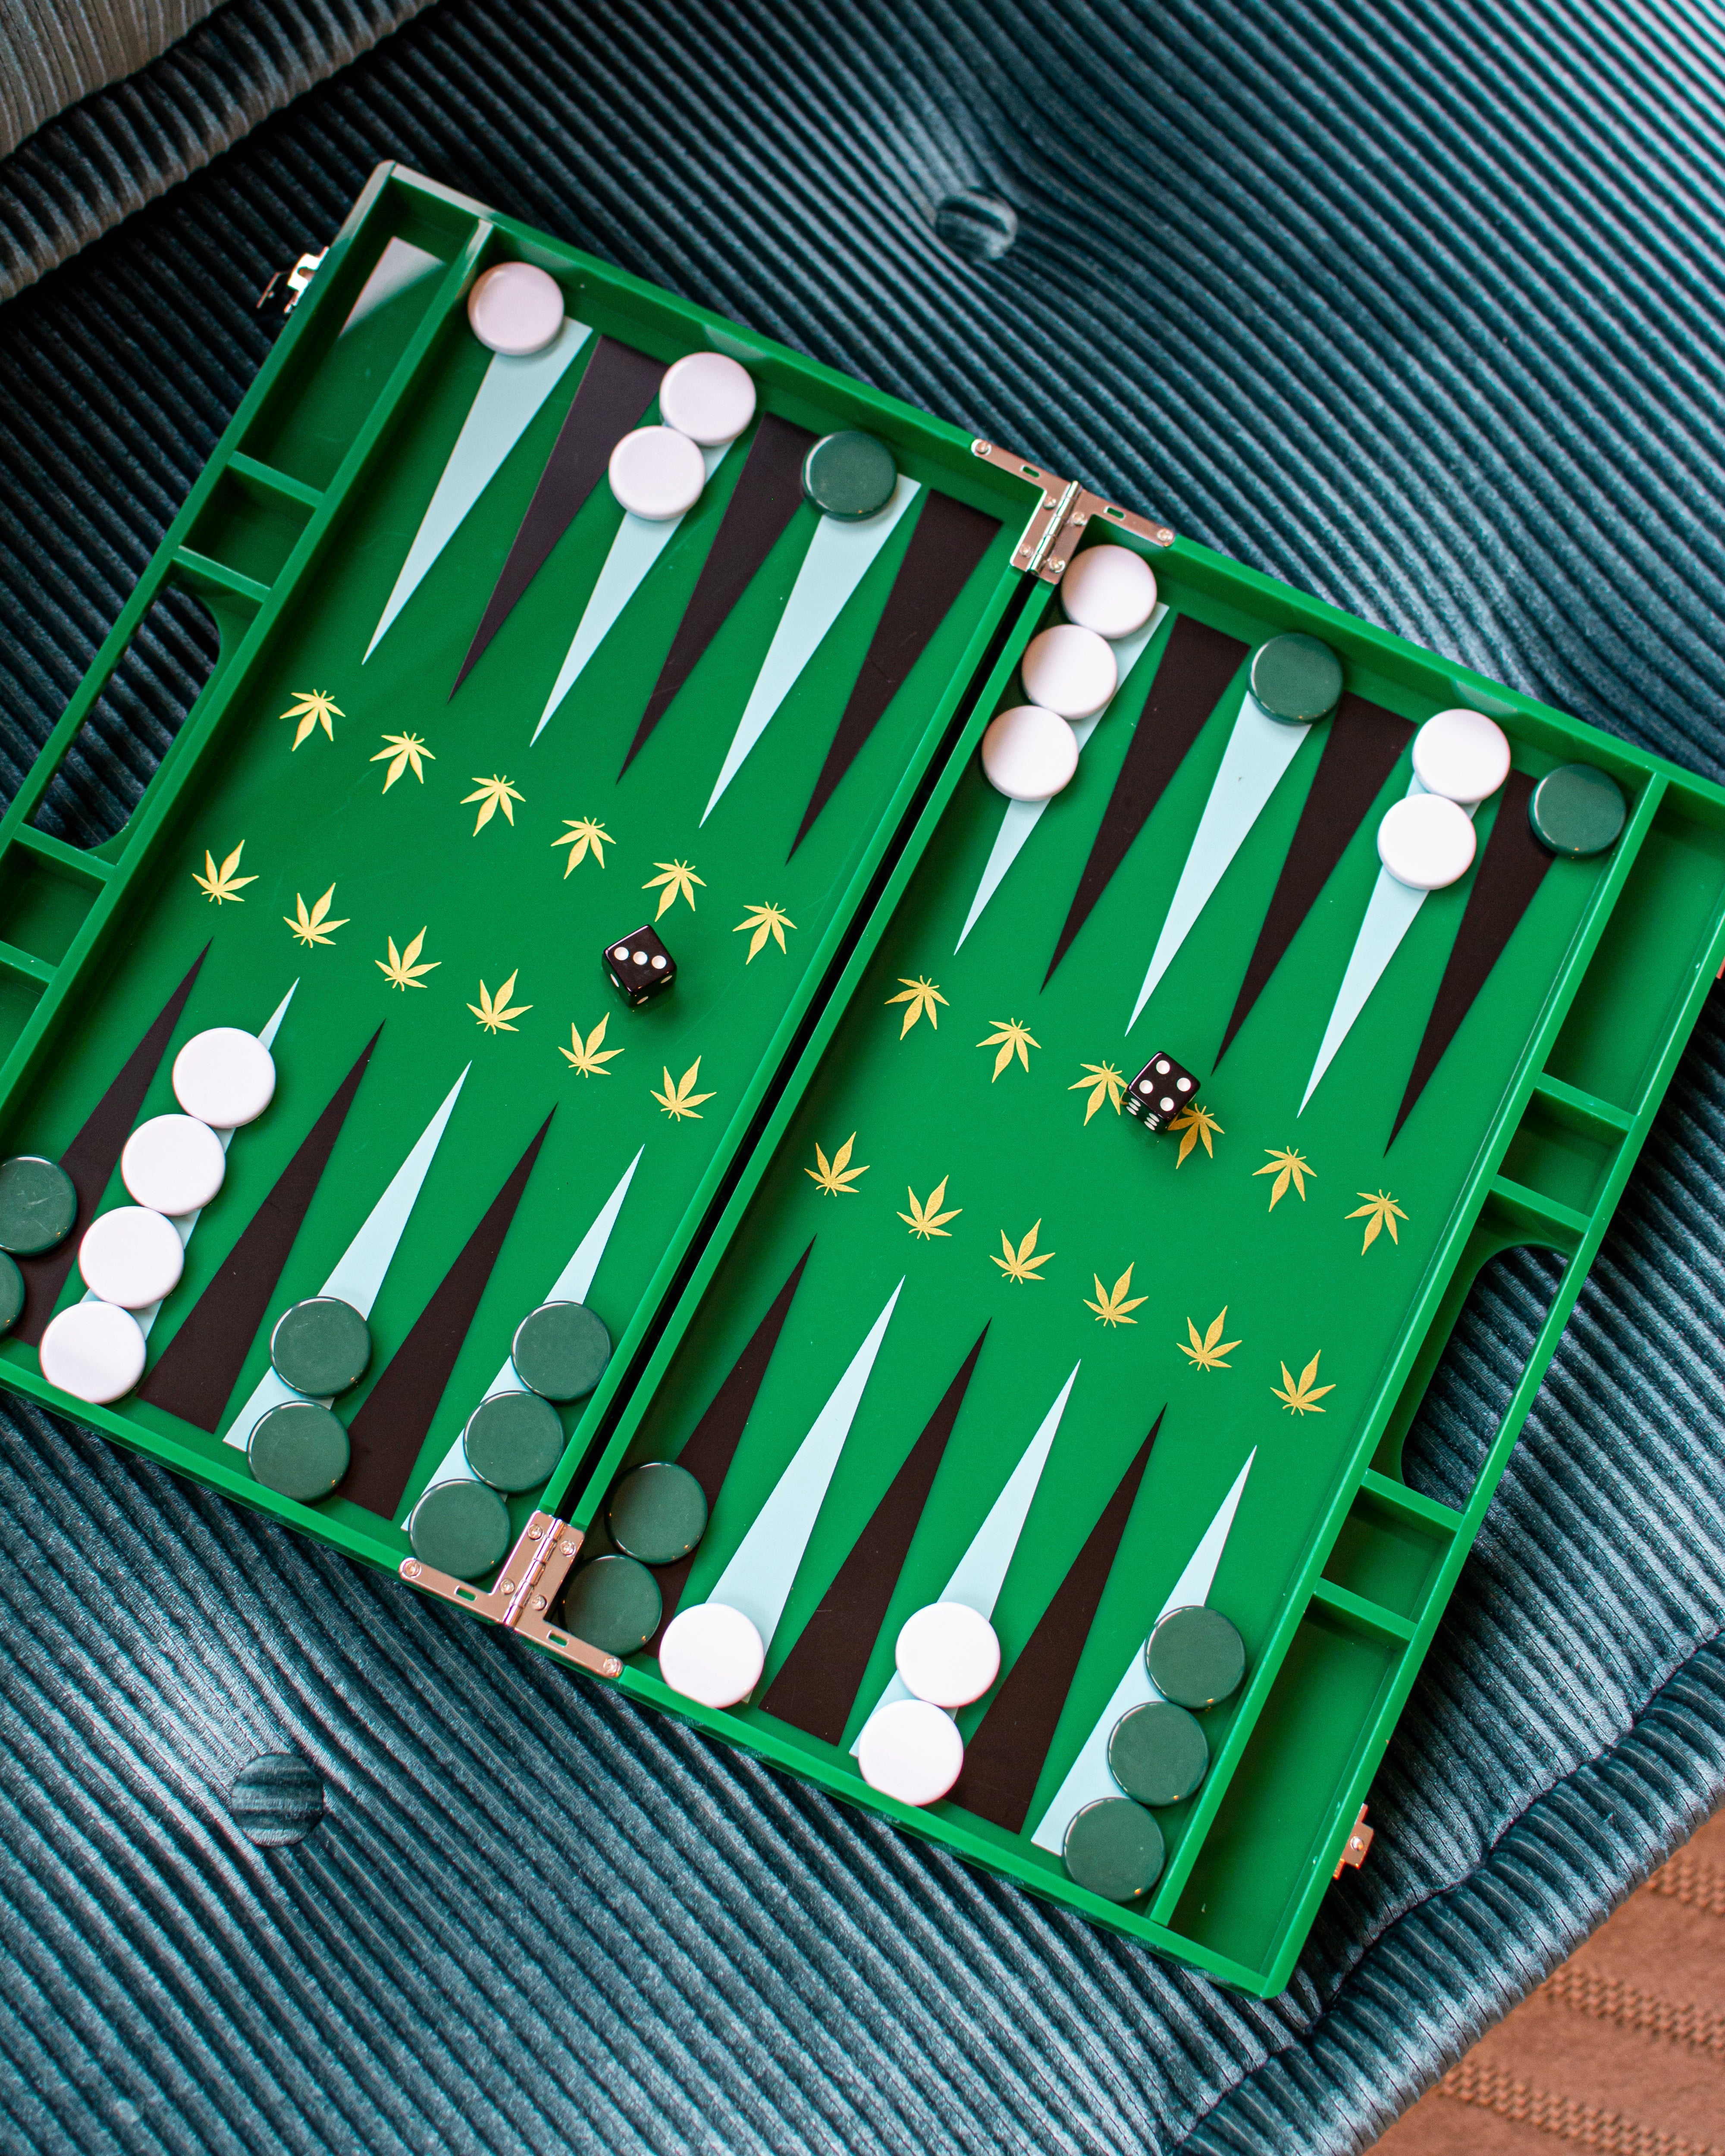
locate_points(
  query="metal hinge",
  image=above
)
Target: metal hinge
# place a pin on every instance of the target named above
(1359, 1842)
(1057, 522)
(532, 1576)
(281, 294)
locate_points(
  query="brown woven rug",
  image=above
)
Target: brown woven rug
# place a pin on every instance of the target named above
(1622, 2050)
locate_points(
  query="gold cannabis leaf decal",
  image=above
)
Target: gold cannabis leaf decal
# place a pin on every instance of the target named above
(921, 996)
(925, 1218)
(1194, 1123)
(1011, 1039)
(587, 1057)
(681, 1098)
(1112, 1303)
(219, 885)
(1286, 1166)
(1302, 1398)
(764, 921)
(493, 1013)
(1380, 1211)
(1106, 1084)
(492, 794)
(1207, 1354)
(403, 753)
(678, 881)
(835, 1176)
(402, 968)
(313, 709)
(1018, 1264)
(315, 927)
(583, 835)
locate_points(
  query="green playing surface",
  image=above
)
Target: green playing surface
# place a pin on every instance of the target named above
(859, 1061)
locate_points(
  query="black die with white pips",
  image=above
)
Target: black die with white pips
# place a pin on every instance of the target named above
(1162, 1090)
(639, 966)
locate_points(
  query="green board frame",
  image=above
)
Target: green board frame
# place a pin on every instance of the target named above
(1612, 974)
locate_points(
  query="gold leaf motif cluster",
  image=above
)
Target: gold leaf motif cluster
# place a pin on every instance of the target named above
(1192, 1124)
(758, 923)
(220, 885)
(1113, 1305)
(675, 880)
(925, 1218)
(680, 1099)
(922, 998)
(583, 836)
(588, 1056)
(1300, 1395)
(1287, 1166)
(836, 1175)
(315, 927)
(403, 753)
(492, 794)
(313, 709)
(1010, 1039)
(403, 969)
(1209, 1354)
(1106, 1084)
(493, 1013)
(1380, 1211)
(1020, 1263)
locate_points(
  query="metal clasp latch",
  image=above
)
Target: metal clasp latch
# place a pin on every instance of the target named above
(532, 1578)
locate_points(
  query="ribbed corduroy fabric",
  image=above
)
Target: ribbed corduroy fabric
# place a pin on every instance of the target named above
(1409, 304)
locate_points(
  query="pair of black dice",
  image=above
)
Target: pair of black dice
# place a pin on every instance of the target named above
(639, 966)
(1162, 1090)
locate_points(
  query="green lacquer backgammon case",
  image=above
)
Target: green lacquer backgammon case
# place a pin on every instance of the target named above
(846, 1086)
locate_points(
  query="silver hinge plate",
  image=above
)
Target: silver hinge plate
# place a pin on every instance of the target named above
(1058, 521)
(282, 294)
(532, 1576)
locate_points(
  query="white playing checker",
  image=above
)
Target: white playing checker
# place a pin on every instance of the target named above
(1070, 671)
(711, 1653)
(1028, 754)
(516, 309)
(94, 1351)
(131, 1256)
(657, 474)
(947, 1653)
(911, 1751)
(708, 397)
(224, 1077)
(1462, 755)
(1109, 589)
(173, 1164)
(1426, 842)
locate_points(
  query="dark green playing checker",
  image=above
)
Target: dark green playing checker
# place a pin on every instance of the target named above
(1576, 810)
(1297, 679)
(459, 1527)
(1195, 1657)
(850, 475)
(1158, 1752)
(321, 1346)
(561, 1350)
(12, 1294)
(38, 1205)
(1115, 1849)
(657, 1512)
(613, 1602)
(514, 1440)
(299, 1449)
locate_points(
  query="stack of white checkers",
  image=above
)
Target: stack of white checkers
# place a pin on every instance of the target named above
(1426, 840)
(705, 401)
(946, 1656)
(1069, 672)
(133, 1255)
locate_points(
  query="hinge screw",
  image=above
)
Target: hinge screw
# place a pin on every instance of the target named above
(410, 1570)
(1057, 566)
(505, 1587)
(534, 1533)
(539, 1602)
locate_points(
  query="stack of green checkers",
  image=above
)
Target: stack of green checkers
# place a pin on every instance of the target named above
(656, 1515)
(320, 1348)
(39, 1206)
(513, 1441)
(1157, 1752)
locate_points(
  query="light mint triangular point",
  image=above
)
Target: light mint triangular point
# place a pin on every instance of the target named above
(1390, 912)
(981, 1572)
(571, 1285)
(638, 544)
(1259, 750)
(1090, 1776)
(360, 1270)
(1022, 817)
(507, 404)
(758, 1579)
(839, 556)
